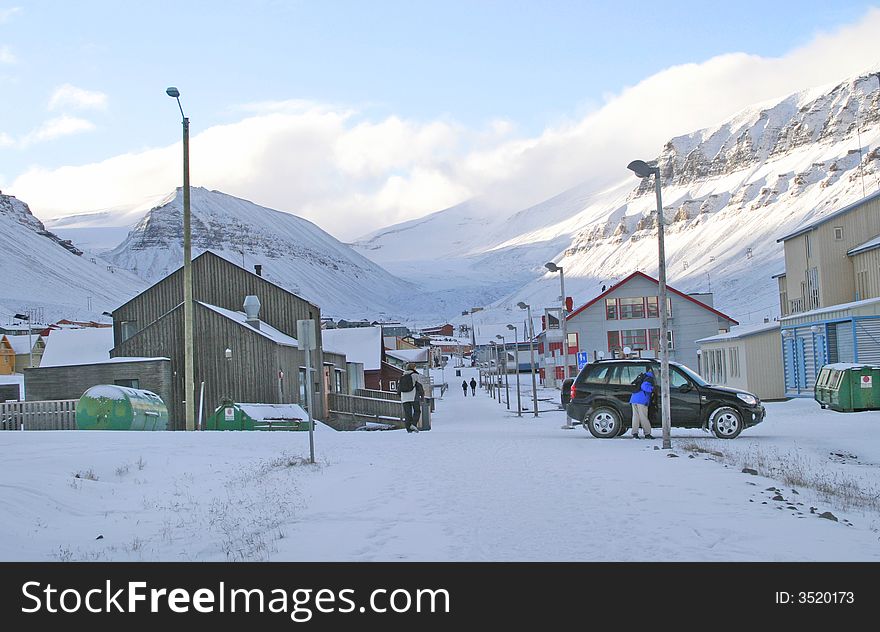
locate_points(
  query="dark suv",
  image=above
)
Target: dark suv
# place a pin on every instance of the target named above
(599, 399)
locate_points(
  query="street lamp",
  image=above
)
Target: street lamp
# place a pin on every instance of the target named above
(506, 373)
(516, 368)
(643, 170)
(555, 268)
(531, 334)
(189, 354)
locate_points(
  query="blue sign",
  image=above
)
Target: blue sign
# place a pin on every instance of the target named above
(582, 359)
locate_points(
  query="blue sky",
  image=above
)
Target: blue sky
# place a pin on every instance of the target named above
(87, 78)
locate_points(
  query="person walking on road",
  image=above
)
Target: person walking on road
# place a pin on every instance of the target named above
(473, 387)
(464, 387)
(639, 400)
(409, 397)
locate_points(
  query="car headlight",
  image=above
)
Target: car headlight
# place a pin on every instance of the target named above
(751, 400)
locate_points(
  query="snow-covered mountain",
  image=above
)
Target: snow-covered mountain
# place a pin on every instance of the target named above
(729, 192)
(293, 252)
(49, 276)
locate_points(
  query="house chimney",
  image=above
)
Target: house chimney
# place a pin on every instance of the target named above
(252, 310)
(258, 268)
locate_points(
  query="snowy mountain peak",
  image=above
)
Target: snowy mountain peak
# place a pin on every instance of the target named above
(293, 252)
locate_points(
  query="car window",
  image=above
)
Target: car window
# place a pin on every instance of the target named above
(626, 373)
(596, 373)
(677, 379)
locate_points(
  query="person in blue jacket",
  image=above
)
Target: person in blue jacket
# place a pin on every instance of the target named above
(639, 401)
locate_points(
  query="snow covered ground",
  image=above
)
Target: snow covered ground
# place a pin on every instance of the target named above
(482, 485)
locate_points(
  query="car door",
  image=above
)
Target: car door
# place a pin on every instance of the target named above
(684, 399)
(620, 385)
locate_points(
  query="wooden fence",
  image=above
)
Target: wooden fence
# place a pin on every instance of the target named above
(59, 414)
(358, 409)
(366, 392)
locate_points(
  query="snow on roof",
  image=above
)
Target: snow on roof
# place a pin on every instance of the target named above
(742, 331)
(409, 355)
(65, 347)
(265, 329)
(831, 308)
(273, 411)
(358, 344)
(868, 245)
(20, 344)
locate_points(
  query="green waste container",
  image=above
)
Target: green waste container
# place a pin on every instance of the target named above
(848, 387)
(111, 407)
(242, 416)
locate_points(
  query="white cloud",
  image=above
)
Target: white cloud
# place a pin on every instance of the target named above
(68, 96)
(351, 174)
(6, 140)
(7, 14)
(57, 127)
(7, 56)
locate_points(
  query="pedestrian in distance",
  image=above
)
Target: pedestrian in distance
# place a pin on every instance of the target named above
(473, 387)
(409, 396)
(639, 400)
(464, 387)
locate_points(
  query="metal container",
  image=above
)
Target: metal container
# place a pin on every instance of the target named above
(111, 407)
(848, 387)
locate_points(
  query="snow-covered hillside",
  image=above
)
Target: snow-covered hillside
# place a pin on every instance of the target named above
(729, 193)
(293, 252)
(44, 275)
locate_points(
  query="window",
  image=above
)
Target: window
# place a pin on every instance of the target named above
(632, 308)
(676, 379)
(610, 309)
(614, 341)
(813, 288)
(808, 248)
(572, 344)
(127, 383)
(392, 386)
(733, 361)
(783, 302)
(634, 338)
(838, 233)
(653, 303)
(626, 374)
(597, 374)
(861, 284)
(128, 328)
(339, 383)
(654, 337)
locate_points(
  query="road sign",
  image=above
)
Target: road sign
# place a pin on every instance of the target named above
(582, 359)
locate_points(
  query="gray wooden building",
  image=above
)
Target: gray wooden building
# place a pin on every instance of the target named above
(71, 381)
(263, 363)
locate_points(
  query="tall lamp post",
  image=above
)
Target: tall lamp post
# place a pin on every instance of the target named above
(531, 334)
(644, 170)
(516, 368)
(506, 380)
(189, 355)
(555, 268)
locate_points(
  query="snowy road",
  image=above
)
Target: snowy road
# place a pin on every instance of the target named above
(482, 485)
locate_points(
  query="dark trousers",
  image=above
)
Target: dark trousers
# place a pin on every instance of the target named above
(473, 390)
(465, 391)
(411, 413)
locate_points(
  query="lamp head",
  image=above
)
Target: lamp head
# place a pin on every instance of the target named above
(511, 327)
(173, 92)
(642, 169)
(523, 305)
(228, 353)
(500, 337)
(552, 266)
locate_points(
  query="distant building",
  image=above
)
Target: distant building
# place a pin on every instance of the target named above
(365, 345)
(627, 315)
(440, 330)
(28, 351)
(748, 357)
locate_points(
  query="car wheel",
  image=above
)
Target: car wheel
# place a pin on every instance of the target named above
(604, 422)
(726, 422)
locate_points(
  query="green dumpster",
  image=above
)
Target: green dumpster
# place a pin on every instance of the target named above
(848, 387)
(111, 407)
(238, 416)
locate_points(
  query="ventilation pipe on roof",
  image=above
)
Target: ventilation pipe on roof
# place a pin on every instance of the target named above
(258, 269)
(252, 310)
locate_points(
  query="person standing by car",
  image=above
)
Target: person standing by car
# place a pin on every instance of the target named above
(473, 387)
(639, 401)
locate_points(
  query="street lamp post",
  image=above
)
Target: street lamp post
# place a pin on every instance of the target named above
(506, 373)
(516, 368)
(555, 268)
(27, 317)
(189, 355)
(531, 334)
(643, 170)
